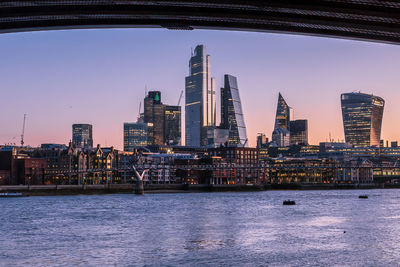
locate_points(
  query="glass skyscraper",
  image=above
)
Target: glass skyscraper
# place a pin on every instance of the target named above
(82, 135)
(173, 125)
(136, 135)
(299, 132)
(362, 118)
(281, 134)
(200, 98)
(231, 112)
(154, 112)
(282, 119)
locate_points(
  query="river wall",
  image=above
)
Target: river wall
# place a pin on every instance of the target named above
(37, 190)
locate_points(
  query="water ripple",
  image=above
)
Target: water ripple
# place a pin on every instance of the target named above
(332, 228)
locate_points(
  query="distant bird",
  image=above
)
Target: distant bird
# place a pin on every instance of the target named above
(344, 232)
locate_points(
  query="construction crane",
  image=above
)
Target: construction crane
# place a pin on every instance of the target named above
(23, 131)
(180, 97)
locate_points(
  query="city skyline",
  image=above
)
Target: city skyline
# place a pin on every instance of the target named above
(216, 133)
(67, 96)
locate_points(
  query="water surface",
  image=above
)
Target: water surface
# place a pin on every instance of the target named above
(241, 229)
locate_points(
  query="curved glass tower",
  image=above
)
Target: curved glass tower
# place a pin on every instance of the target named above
(362, 118)
(231, 112)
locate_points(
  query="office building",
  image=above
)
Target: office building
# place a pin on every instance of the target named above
(173, 125)
(82, 135)
(216, 136)
(262, 140)
(362, 118)
(232, 113)
(200, 100)
(154, 113)
(281, 137)
(282, 118)
(240, 156)
(298, 132)
(281, 133)
(137, 135)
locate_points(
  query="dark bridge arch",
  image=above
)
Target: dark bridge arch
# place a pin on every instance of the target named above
(376, 20)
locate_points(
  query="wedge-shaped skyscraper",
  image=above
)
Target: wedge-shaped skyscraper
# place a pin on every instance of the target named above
(282, 119)
(200, 98)
(281, 134)
(231, 112)
(362, 118)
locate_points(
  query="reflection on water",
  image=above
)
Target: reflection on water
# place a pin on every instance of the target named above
(325, 221)
(325, 227)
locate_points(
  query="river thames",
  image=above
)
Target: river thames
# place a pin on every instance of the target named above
(240, 229)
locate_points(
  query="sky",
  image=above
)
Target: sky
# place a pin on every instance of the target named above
(99, 77)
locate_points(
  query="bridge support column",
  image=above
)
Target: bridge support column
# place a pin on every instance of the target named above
(139, 189)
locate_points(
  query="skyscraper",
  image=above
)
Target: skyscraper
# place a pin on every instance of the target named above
(231, 112)
(200, 98)
(362, 118)
(216, 136)
(281, 134)
(154, 112)
(281, 137)
(282, 118)
(299, 132)
(173, 125)
(136, 135)
(82, 135)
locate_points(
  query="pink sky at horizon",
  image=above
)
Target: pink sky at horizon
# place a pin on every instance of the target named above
(99, 76)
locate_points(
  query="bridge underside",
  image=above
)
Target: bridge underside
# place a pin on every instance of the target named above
(356, 19)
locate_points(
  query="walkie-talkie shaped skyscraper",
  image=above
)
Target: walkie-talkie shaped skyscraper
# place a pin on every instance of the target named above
(362, 118)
